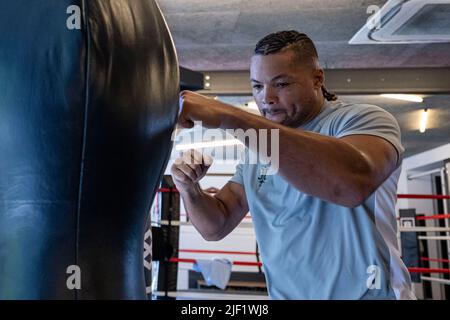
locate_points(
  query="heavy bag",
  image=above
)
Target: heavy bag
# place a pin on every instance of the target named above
(88, 102)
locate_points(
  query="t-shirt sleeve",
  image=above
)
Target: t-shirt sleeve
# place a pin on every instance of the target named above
(237, 177)
(370, 120)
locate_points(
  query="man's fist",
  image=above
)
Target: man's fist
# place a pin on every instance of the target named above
(197, 107)
(189, 169)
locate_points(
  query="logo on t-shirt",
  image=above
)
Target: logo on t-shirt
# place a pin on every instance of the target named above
(262, 175)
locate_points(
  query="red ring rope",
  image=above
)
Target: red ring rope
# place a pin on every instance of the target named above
(435, 260)
(217, 251)
(428, 270)
(422, 196)
(436, 216)
(235, 263)
(245, 263)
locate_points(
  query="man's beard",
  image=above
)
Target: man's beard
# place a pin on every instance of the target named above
(293, 121)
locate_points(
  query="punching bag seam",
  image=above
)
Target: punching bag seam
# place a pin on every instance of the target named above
(85, 122)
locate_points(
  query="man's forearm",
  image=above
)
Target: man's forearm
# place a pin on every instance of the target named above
(206, 213)
(322, 166)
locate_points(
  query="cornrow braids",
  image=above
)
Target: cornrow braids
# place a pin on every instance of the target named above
(302, 45)
(328, 95)
(277, 41)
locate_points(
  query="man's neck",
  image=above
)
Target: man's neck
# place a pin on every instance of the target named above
(319, 105)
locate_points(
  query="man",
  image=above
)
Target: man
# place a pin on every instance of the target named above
(325, 223)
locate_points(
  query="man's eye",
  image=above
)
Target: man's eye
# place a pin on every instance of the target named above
(282, 84)
(257, 86)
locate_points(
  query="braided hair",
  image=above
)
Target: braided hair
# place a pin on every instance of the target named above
(300, 43)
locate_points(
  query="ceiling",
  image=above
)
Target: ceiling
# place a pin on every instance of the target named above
(220, 36)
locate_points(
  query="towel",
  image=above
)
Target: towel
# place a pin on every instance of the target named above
(216, 272)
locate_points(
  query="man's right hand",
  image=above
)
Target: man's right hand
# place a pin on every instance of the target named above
(189, 169)
(213, 216)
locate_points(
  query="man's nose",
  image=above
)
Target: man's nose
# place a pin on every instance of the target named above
(269, 96)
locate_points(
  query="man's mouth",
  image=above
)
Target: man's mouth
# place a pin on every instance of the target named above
(275, 115)
(274, 112)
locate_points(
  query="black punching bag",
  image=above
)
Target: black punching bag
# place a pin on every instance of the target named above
(88, 102)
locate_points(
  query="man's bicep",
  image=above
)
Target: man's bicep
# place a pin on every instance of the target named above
(380, 153)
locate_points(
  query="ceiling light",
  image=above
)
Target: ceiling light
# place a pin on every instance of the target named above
(403, 97)
(423, 121)
(208, 144)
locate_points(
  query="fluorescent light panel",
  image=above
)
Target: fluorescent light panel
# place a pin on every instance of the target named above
(403, 97)
(208, 144)
(423, 121)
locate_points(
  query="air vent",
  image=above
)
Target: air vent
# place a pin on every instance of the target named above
(407, 21)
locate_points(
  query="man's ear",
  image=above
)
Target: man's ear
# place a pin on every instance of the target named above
(319, 78)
